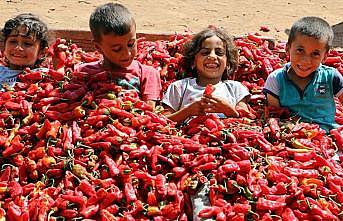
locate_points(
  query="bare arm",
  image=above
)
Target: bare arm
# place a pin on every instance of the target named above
(219, 105)
(193, 109)
(272, 101)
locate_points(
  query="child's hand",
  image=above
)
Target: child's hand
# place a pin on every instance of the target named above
(57, 52)
(211, 104)
(196, 108)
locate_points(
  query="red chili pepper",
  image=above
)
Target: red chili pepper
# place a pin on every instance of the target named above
(303, 173)
(121, 113)
(274, 127)
(179, 171)
(69, 213)
(67, 138)
(206, 166)
(288, 215)
(61, 203)
(56, 75)
(333, 60)
(89, 211)
(264, 204)
(53, 130)
(304, 157)
(15, 147)
(45, 127)
(107, 216)
(113, 168)
(209, 89)
(74, 199)
(324, 214)
(30, 76)
(87, 188)
(161, 185)
(209, 212)
(14, 211)
(151, 198)
(127, 130)
(130, 194)
(171, 211)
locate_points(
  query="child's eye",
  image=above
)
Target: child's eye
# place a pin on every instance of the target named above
(28, 44)
(12, 41)
(300, 50)
(116, 49)
(316, 54)
(204, 53)
(220, 53)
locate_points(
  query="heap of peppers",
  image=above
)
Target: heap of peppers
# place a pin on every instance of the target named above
(78, 147)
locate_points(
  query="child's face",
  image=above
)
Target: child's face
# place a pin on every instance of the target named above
(118, 50)
(211, 60)
(21, 50)
(306, 54)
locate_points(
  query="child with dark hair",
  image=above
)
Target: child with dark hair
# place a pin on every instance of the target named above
(304, 85)
(211, 56)
(114, 32)
(25, 40)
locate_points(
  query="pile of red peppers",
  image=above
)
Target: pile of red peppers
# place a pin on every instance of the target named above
(78, 147)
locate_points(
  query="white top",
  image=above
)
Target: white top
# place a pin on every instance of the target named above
(9, 76)
(184, 92)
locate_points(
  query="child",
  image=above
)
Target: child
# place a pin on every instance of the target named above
(114, 32)
(304, 85)
(25, 40)
(211, 56)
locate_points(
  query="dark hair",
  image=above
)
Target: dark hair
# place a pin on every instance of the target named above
(192, 47)
(110, 18)
(313, 27)
(34, 26)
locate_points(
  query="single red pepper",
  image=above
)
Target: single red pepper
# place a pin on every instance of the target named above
(209, 212)
(87, 188)
(161, 185)
(89, 211)
(69, 213)
(264, 204)
(113, 168)
(130, 194)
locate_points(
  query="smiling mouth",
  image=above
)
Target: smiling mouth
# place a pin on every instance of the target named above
(18, 56)
(211, 66)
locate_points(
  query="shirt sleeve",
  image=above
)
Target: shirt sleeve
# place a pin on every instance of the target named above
(337, 84)
(151, 86)
(271, 85)
(172, 97)
(241, 92)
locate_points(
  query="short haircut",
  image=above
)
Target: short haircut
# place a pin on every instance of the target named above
(314, 27)
(110, 18)
(192, 47)
(34, 26)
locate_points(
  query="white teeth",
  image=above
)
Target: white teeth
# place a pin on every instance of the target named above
(211, 65)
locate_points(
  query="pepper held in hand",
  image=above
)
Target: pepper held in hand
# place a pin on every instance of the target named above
(209, 90)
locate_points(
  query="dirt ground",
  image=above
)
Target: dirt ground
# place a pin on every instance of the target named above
(176, 16)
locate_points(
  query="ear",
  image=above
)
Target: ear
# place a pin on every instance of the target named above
(287, 48)
(97, 45)
(41, 54)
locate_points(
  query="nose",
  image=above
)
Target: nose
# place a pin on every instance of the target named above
(212, 54)
(19, 46)
(307, 59)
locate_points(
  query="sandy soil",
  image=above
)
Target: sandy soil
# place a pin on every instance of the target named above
(167, 17)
